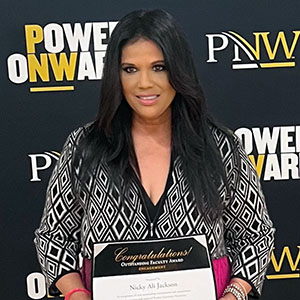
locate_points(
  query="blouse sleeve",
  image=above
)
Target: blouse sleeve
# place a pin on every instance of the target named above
(57, 239)
(249, 232)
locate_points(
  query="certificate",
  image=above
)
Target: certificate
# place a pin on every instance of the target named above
(178, 268)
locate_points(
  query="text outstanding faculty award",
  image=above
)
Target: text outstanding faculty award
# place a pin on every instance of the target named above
(158, 269)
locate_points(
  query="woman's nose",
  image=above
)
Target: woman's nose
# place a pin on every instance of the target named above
(145, 80)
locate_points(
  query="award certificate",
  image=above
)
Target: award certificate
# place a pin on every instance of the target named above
(178, 268)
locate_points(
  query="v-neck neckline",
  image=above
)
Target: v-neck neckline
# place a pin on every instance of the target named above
(151, 211)
(143, 190)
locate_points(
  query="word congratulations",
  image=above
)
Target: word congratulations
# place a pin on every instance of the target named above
(122, 256)
(275, 152)
(61, 52)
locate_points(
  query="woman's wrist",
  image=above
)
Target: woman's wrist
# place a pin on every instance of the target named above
(244, 285)
(237, 289)
(78, 294)
(228, 296)
(241, 286)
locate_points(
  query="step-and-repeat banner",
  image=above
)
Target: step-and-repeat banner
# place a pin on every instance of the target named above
(248, 58)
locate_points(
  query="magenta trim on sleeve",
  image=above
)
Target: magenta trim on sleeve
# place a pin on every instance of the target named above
(222, 272)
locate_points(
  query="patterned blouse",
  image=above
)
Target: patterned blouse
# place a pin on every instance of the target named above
(72, 222)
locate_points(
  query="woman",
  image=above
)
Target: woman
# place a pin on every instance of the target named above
(153, 165)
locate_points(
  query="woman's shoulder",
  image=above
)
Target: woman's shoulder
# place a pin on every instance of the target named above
(74, 138)
(226, 140)
(221, 133)
(77, 134)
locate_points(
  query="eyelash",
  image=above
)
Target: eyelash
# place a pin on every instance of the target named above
(127, 69)
(161, 68)
(156, 68)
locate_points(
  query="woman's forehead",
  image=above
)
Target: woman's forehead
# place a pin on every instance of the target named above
(142, 48)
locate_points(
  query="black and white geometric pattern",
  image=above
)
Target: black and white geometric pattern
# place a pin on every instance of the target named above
(70, 225)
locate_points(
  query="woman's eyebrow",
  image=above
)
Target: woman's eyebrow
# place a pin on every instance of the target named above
(158, 62)
(127, 64)
(153, 63)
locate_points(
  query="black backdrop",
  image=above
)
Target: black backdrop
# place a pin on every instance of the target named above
(259, 98)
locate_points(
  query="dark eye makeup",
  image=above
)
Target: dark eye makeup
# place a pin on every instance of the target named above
(156, 68)
(159, 67)
(129, 69)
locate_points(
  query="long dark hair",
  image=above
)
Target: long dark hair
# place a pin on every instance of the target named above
(108, 140)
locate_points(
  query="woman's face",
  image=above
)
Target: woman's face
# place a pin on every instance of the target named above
(145, 82)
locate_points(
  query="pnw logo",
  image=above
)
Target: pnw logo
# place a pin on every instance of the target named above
(285, 265)
(40, 162)
(266, 50)
(60, 54)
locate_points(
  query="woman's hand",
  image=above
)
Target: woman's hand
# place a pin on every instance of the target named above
(80, 296)
(72, 281)
(244, 285)
(228, 296)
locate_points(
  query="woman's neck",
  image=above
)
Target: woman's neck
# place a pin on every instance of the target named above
(159, 129)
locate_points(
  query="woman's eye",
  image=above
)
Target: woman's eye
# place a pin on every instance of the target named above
(129, 69)
(158, 68)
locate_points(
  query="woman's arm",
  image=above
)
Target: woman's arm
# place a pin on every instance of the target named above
(70, 282)
(249, 232)
(57, 239)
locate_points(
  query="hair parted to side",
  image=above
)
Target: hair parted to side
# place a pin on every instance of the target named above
(160, 27)
(108, 140)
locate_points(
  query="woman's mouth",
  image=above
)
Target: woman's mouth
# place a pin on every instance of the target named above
(147, 99)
